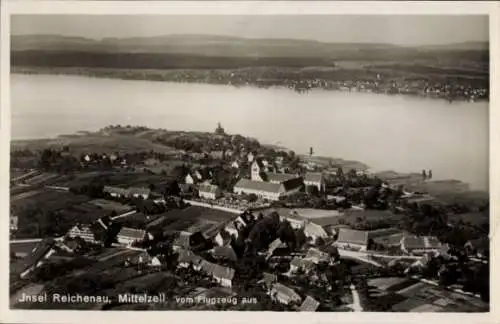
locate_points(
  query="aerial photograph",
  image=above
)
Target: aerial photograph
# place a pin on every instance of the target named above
(285, 163)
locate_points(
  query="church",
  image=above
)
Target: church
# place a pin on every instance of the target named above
(269, 185)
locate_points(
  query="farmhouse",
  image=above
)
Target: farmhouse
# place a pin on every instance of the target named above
(82, 231)
(139, 192)
(420, 244)
(314, 231)
(116, 192)
(309, 305)
(128, 236)
(284, 295)
(187, 258)
(267, 190)
(222, 275)
(352, 239)
(209, 191)
(315, 179)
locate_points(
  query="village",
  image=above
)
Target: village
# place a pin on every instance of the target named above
(241, 227)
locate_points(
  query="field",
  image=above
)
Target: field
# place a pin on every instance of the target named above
(403, 295)
(95, 142)
(353, 217)
(474, 219)
(49, 200)
(110, 205)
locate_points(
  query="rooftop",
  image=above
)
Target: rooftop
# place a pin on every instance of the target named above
(133, 233)
(352, 236)
(309, 305)
(217, 270)
(280, 177)
(258, 185)
(313, 177)
(284, 290)
(209, 188)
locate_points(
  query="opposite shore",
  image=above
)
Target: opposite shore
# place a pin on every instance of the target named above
(296, 80)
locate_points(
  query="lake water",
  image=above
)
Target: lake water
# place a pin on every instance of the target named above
(386, 132)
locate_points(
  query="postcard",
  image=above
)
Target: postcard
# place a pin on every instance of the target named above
(191, 161)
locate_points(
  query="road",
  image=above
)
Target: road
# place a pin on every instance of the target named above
(132, 212)
(356, 302)
(33, 240)
(358, 256)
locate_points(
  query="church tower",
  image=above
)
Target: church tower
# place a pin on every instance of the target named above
(219, 130)
(256, 171)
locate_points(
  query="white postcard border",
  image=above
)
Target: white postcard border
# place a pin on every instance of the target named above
(10, 7)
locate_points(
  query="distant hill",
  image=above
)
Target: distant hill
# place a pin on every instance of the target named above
(226, 46)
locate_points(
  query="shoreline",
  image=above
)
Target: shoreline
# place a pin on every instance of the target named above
(344, 163)
(157, 75)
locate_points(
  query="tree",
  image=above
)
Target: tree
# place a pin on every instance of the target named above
(312, 190)
(287, 234)
(320, 241)
(252, 197)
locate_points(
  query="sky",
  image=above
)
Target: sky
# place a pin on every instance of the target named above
(394, 29)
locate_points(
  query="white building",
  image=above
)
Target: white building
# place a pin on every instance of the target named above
(139, 192)
(266, 190)
(128, 236)
(14, 221)
(82, 231)
(209, 191)
(315, 179)
(352, 239)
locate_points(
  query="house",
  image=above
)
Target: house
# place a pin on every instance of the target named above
(83, 231)
(235, 165)
(268, 280)
(309, 305)
(222, 238)
(217, 155)
(250, 157)
(197, 176)
(116, 192)
(284, 295)
(274, 177)
(316, 256)
(479, 247)
(352, 239)
(14, 221)
(315, 231)
(128, 236)
(419, 245)
(276, 244)
(294, 219)
(189, 179)
(188, 240)
(138, 192)
(266, 190)
(151, 162)
(142, 258)
(224, 252)
(232, 228)
(209, 191)
(315, 179)
(187, 258)
(222, 275)
(305, 265)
